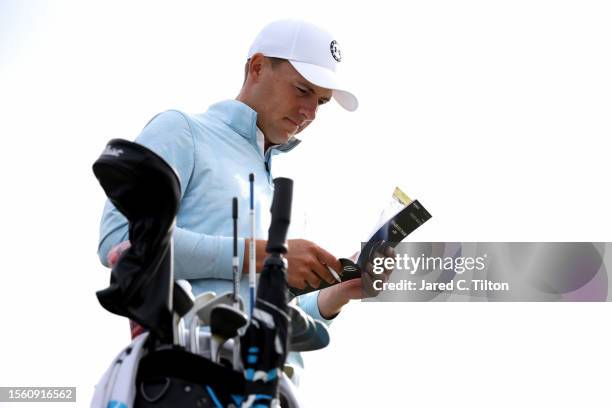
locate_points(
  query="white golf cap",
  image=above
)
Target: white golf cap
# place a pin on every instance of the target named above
(312, 51)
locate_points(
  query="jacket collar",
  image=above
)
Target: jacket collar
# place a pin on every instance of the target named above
(242, 119)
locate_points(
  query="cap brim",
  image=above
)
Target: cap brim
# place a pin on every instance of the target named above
(326, 78)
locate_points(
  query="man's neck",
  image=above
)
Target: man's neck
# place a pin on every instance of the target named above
(262, 142)
(242, 98)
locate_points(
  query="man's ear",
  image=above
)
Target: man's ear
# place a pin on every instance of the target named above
(256, 66)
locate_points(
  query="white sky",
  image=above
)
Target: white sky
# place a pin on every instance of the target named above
(495, 115)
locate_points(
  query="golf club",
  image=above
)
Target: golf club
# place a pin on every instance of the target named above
(252, 254)
(194, 320)
(265, 343)
(225, 321)
(202, 314)
(182, 301)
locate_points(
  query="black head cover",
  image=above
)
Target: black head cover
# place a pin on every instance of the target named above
(146, 190)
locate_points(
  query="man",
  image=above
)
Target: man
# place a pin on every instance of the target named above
(290, 72)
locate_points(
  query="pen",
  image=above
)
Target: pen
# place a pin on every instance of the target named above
(334, 273)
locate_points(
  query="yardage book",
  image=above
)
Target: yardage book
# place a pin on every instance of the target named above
(404, 216)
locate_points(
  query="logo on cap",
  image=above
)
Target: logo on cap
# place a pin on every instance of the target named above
(335, 51)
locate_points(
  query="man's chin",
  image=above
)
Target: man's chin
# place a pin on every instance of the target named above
(284, 137)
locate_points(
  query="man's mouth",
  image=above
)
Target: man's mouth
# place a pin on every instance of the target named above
(293, 122)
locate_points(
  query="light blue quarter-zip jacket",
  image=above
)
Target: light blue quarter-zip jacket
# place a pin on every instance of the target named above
(213, 154)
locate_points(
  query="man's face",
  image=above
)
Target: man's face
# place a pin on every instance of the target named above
(286, 102)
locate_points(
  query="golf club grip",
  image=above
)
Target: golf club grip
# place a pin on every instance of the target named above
(235, 220)
(281, 215)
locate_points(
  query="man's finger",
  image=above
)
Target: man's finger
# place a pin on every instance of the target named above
(313, 280)
(296, 282)
(326, 258)
(368, 286)
(323, 273)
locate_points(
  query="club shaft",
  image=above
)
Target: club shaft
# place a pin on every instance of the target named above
(235, 261)
(252, 253)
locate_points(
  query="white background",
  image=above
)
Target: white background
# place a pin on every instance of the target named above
(495, 115)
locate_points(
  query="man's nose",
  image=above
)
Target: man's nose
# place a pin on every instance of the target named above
(309, 109)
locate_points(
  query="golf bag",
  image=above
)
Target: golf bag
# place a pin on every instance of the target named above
(156, 370)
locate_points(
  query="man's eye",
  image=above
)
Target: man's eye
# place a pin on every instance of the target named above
(302, 91)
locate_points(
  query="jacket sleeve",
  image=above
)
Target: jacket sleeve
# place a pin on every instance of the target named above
(308, 303)
(195, 255)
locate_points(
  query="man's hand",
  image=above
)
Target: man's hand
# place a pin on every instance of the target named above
(307, 262)
(332, 299)
(113, 255)
(112, 258)
(369, 277)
